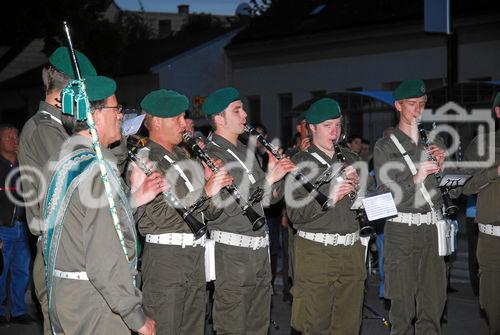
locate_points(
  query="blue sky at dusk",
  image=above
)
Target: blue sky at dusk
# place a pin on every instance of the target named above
(208, 6)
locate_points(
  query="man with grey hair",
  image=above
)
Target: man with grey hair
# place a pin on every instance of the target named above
(42, 136)
(90, 233)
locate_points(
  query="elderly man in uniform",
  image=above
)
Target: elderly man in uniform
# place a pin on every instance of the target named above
(486, 183)
(329, 268)
(242, 297)
(90, 236)
(41, 137)
(415, 274)
(173, 260)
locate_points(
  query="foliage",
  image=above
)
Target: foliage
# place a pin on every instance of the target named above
(100, 39)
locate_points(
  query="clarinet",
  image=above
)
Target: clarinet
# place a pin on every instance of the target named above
(197, 228)
(449, 208)
(255, 219)
(341, 158)
(322, 200)
(365, 228)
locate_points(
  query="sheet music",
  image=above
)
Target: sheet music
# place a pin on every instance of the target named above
(131, 126)
(380, 206)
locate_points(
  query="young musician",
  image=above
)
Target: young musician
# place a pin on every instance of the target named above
(329, 267)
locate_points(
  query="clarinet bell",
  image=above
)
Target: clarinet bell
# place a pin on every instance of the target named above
(449, 207)
(324, 201)
(197, 228)
(257, 220)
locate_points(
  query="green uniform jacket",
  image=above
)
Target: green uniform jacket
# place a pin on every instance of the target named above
(232, 219)
(159, 217)
(41, 138)
(399, 177)
(308, 216)
(89, 242)
(485, 181)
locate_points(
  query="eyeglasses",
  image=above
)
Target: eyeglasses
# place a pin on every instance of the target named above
(119, 108)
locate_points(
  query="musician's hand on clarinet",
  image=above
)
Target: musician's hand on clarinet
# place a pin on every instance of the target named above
(438, 154)
(208, 172)
(149, 327)
(278, 169)
(341, 189)
(425, 169)
(217, 181)
(145, 188)
(351, 174)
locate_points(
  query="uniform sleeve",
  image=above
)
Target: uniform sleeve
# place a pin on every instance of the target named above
(480, 176)
(300, 205)
(392, 178)
(106, 263)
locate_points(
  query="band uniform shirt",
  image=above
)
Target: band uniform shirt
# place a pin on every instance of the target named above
(412, 201)
(232, 219)
(485, 181)
(309, 216)
(41, 138)
(89, 242)
(159, 216)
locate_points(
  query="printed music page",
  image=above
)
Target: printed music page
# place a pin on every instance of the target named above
(380, 206)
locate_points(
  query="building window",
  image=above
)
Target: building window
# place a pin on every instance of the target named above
(254, 109)
(285, 102)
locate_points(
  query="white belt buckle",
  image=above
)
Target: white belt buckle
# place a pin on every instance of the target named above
(335, 240)
(349, 240)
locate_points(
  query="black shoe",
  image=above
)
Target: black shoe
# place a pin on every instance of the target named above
(23, 319)
(3, 321)
(451, 289)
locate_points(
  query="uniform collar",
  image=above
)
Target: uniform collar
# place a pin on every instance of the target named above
(403, 137)
(222, 142)
(161, 149)
(313, 148)
(83, 141)
(53, 110)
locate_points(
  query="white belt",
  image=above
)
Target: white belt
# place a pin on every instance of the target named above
(489, 229)
(238, 240)
(71, 275)
(330, 239)
(417, 218)
(176, 239)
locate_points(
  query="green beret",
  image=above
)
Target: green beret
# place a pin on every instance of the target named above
(164, 103)
(409, 89)
(61, 61)
(496, 102)
(219, 100)
(322, 110)
(99, 87)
